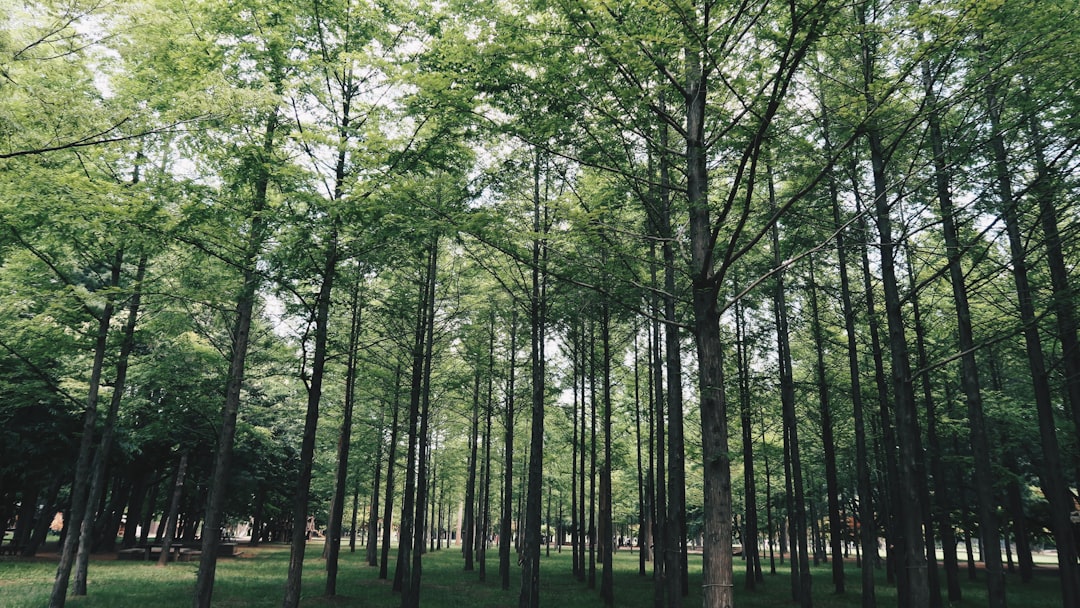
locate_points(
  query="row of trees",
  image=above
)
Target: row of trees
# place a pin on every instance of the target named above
(793, 276)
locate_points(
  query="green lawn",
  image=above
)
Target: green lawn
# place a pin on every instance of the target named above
(257, 579)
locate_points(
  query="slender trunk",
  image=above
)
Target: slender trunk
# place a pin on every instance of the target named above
(607, 532)
(530, 567)
(79, 502)
(1054, 484)
(828, 443)
(750, 524)
(505, 531)
(174, 510)
(372, 533)
(582, 528)
(866, 523)
(337, 511)
(661, 580)
(82, 559)
(969, 374)
(590, 580)
(469, 519)
(307, 446)
(411, 596)
(485, 501)
(575, 451)
(402, 574)
(258, 228)
(391, 462)
(642, 508)
(915, 589)
(800, 568)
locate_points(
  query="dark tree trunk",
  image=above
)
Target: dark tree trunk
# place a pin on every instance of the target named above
(332, 546)
(391, 461)
(750, 534)
(1053, 480)
(505, 531)
(800, 567)
(832, 484)
(307, 446)
(258, 228)
(530, 566)
(174, 510)
(485, 500)
(410, 597)
(590, 575)
(468, 526)
(607, 532)
(79, 503)
(969, 375)
(915, 589)
(101, 457)
(402, 574)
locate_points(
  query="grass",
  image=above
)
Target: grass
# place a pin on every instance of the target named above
(257, 579)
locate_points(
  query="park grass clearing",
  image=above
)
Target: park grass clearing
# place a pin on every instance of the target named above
(257, 579)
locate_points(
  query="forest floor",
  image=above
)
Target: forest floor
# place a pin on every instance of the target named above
(257, 579)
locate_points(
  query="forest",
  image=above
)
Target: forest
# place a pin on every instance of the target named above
(735, 281)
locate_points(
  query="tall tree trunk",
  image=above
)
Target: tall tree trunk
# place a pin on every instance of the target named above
(717, 565)
(485, 501)
(402, 574)
(750, 523)
(258, 228)
(867, 531)
(590, 578)
(334, 524)
(969, 369)
(469, 518)
(832, 484)
(174, 510)
(915, 590)
(372, 534)
(505, 530)
(411, 596)
(661, 581)
(800, 568)
(530, 567)
(643, 491)
(391, 462)
(660, 531)
(923, 360)
(311, 421)
(79, 502)
(1054, 485)
(101, 457)
(607, 532)
(675, 569)
(576, 548)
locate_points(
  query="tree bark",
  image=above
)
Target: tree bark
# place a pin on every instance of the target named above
(505, 531)
(391, 461)
(334, 524)
(258, 228)
(1054, 485)
(530, 566)
(836, 525)
(82, 558)
(311, 421)
(174, 510)
(79, 502)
